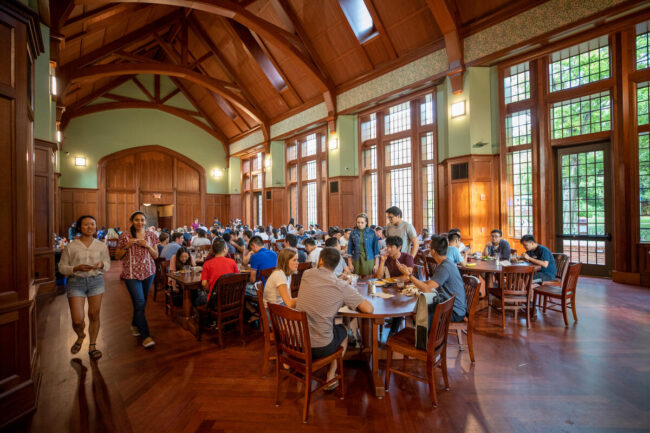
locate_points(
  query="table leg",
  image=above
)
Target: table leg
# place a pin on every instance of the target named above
(377, 379)
(187, 303)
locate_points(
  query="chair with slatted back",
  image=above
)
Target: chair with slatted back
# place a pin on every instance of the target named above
(169, 294)
(297, 278)
(472, 285)
(225, 306)
(561, 266)
(293, 347)
(514, 291)
(566, 294)
(158, 283)
(269, 338)
(430, 267)
(436, 353)
(418, 271)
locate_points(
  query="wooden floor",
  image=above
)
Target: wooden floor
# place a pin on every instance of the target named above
(593, 376)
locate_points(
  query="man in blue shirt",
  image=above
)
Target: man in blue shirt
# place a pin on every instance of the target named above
(453, 255)
(539, 255)
(259, 259)
(170, 249)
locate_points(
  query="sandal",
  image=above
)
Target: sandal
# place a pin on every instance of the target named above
(94, 353)
(76, 347)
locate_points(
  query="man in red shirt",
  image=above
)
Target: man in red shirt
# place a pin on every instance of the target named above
(215, 268)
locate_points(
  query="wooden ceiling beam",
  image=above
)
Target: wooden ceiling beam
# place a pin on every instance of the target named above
(61, 13)
(134, 57)
(100, 14)
(376, 19)
(148, 105)
(170, 95)
(453, 43)
(143, 89)
(224, 140)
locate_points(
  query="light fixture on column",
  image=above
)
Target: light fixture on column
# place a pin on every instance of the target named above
(268, 162)
(80, 161)
(458, 109)
(53, 78)
(334, 141)
(217, 173)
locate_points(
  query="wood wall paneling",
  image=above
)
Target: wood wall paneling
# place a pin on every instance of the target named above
(155, 171)
(217, 205)
(20, 41)
(235, 209)
(274, 206)
(76, 202)
(344, 205)
(44, 215)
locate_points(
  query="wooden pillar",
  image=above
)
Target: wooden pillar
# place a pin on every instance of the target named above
(44, 207)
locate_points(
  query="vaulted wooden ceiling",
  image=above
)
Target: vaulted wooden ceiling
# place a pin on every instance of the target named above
(247, 64)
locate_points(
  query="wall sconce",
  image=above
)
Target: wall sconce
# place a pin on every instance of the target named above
(458, 109)
(268, 162)
(80, 161)
(53, 85)
(334, 141)
(146, 204)
(59, 136)
(217, 173)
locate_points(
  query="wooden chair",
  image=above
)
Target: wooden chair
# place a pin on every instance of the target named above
(158, 282)
(561, 266)
(420, 260)
(566, 294)
(436, 353)
(418, 271)
(167, 290)
(430, 267)
(226, 305)
(297, 278)
(514, 291)
(269, 337)
(472, 285)
(293, 346)
(112, 246)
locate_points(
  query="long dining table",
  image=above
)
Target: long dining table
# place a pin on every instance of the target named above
(398, 305)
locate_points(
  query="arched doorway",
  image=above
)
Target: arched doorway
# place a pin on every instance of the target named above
(161, 182)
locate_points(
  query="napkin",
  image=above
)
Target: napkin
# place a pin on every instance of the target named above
(345, 309)
(505, 263)
(384, 295)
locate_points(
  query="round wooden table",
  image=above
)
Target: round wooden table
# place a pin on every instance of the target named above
(397, 306)
(491, 267)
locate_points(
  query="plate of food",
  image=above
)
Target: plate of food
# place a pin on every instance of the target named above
(390, 280)
(380, 283)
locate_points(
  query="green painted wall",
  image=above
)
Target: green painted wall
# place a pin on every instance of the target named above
(344, 161)
(275, 173)
(44, 107)
(97, 135)
(234, 176)
(463, 135)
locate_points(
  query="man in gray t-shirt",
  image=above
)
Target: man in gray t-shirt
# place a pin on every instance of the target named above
(321, 295)
(398, 227)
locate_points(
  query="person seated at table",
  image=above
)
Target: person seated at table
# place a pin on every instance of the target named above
(461, 246)
(227, 237)
(541, 256)
(321, 296)
(178, 262)
(301, 234)
(187, 237)
(453, 254)
(446, 278)
(341, 269)
(259, 258)
(292, 242)
(236, 241)
(164, 240)
(312, 251)
(172, 247)
(200, 240)
(213, 269)
(391, 257)
(498, 247)
(278, 286)
(424, 237)
(261, 232)
(381, 239)
(363, 248)
(344, 239)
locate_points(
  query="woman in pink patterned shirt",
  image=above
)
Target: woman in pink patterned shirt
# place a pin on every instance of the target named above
(137, 250)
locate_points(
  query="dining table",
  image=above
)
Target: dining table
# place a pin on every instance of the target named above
(490, 267)
(387, 302)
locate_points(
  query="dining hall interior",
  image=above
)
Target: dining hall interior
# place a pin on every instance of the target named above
(325, 215)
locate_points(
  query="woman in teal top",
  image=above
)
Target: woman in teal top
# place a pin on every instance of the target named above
(363, 248)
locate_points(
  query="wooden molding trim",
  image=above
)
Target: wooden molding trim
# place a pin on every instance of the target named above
(633, 278)
(45, 143)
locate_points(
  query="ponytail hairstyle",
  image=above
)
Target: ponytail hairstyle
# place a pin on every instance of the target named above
(133, 215)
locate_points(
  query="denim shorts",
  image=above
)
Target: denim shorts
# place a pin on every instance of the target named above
(85, 286)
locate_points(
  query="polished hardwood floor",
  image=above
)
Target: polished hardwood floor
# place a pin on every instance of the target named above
(593, 376)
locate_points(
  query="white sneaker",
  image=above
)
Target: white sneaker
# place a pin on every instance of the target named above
(134, 331)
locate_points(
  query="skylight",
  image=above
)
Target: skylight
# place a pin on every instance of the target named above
(359, 18)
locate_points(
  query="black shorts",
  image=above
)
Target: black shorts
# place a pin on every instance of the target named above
(340, 333)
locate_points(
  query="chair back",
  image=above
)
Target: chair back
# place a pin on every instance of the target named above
(430, 267)
(227, 296)
(263, 315)
(203, 248)
(571, 279)
(264, 275)
(517, 281)
(440, 328)
(561, 265)
(419, 260)
(472, 285)
(291, 333)
(164, 270)
(297, 277)
(418, 271)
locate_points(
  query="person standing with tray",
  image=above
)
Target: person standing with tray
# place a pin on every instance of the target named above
(137, 250)
(85, 260)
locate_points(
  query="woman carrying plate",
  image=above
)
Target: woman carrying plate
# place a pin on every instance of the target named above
(363, 248)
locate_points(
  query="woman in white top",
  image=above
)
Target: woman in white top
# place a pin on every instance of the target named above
(200, 240)
(278, 286)
(84, 260)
